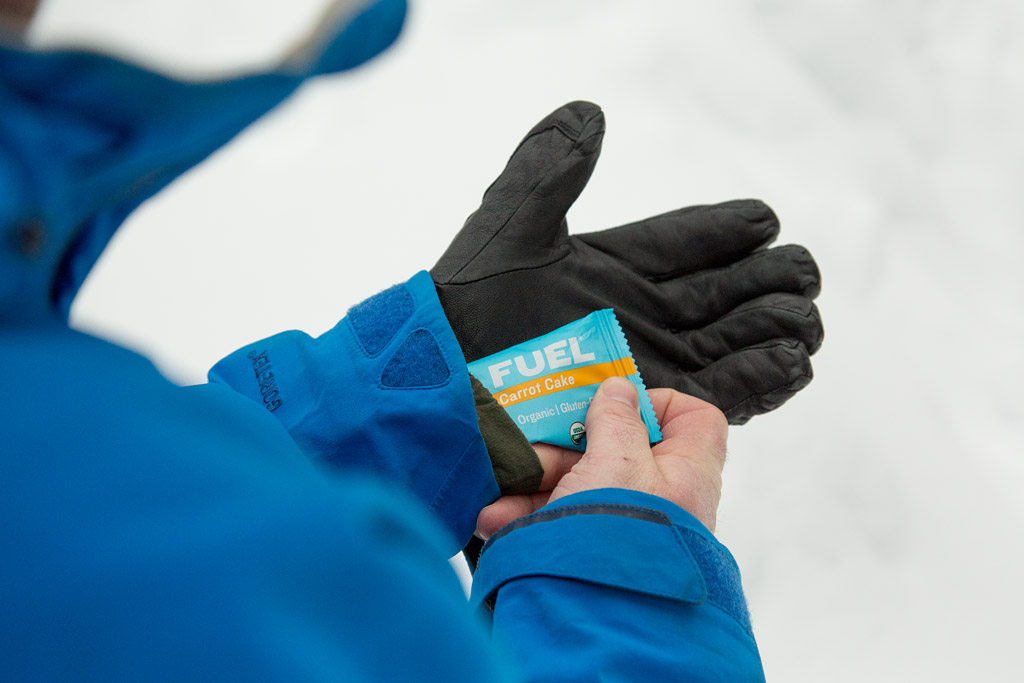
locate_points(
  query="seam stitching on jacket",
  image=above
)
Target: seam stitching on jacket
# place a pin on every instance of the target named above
(555, 514)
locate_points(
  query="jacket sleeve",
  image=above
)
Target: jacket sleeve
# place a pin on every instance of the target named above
(387, 391)
(616, 585)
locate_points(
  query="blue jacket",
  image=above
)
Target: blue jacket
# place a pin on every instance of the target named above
(290, 519)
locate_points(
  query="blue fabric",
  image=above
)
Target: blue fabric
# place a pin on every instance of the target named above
(154, 532)
(611, 577)
(84, 139)
(158, 533)
(418, 363)
(377, 320)
(570, 552)
(401, 413)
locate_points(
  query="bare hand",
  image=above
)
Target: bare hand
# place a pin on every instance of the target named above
(685, 468)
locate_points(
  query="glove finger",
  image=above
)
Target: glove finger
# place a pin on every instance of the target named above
(757, 379)
(688, 240)
(773, 316)
(696, 301)
(528, 201)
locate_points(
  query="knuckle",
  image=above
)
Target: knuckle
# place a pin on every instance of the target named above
(716, 434)
(620, 411)
(615, 427)
(629, 437)
(618, 417)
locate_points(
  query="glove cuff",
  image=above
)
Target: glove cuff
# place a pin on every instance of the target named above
(516, 466)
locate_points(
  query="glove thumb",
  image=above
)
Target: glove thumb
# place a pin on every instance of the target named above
(528, 202)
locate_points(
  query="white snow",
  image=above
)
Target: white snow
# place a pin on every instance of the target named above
(877, 517)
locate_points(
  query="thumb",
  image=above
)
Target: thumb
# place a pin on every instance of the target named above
(618, 445)
(528, 202)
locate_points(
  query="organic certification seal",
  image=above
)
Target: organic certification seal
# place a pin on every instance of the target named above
(576, 432)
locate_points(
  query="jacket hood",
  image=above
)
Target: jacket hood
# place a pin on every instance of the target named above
(86, 138)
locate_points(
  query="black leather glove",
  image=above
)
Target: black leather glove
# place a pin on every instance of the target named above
(707, 309)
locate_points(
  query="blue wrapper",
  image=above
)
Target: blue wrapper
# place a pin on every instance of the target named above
(546, 384)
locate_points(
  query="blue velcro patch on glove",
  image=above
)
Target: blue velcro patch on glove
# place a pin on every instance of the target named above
(377, 320)
(418, 362)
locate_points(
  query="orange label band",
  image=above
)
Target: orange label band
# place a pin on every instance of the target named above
(558, 381)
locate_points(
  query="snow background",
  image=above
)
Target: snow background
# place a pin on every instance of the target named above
(876, 517)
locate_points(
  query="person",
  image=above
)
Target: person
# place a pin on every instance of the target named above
(291, 519)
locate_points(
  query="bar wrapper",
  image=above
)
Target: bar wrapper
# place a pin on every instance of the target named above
(546, 384)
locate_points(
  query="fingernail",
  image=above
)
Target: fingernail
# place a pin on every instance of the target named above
(621, 389)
